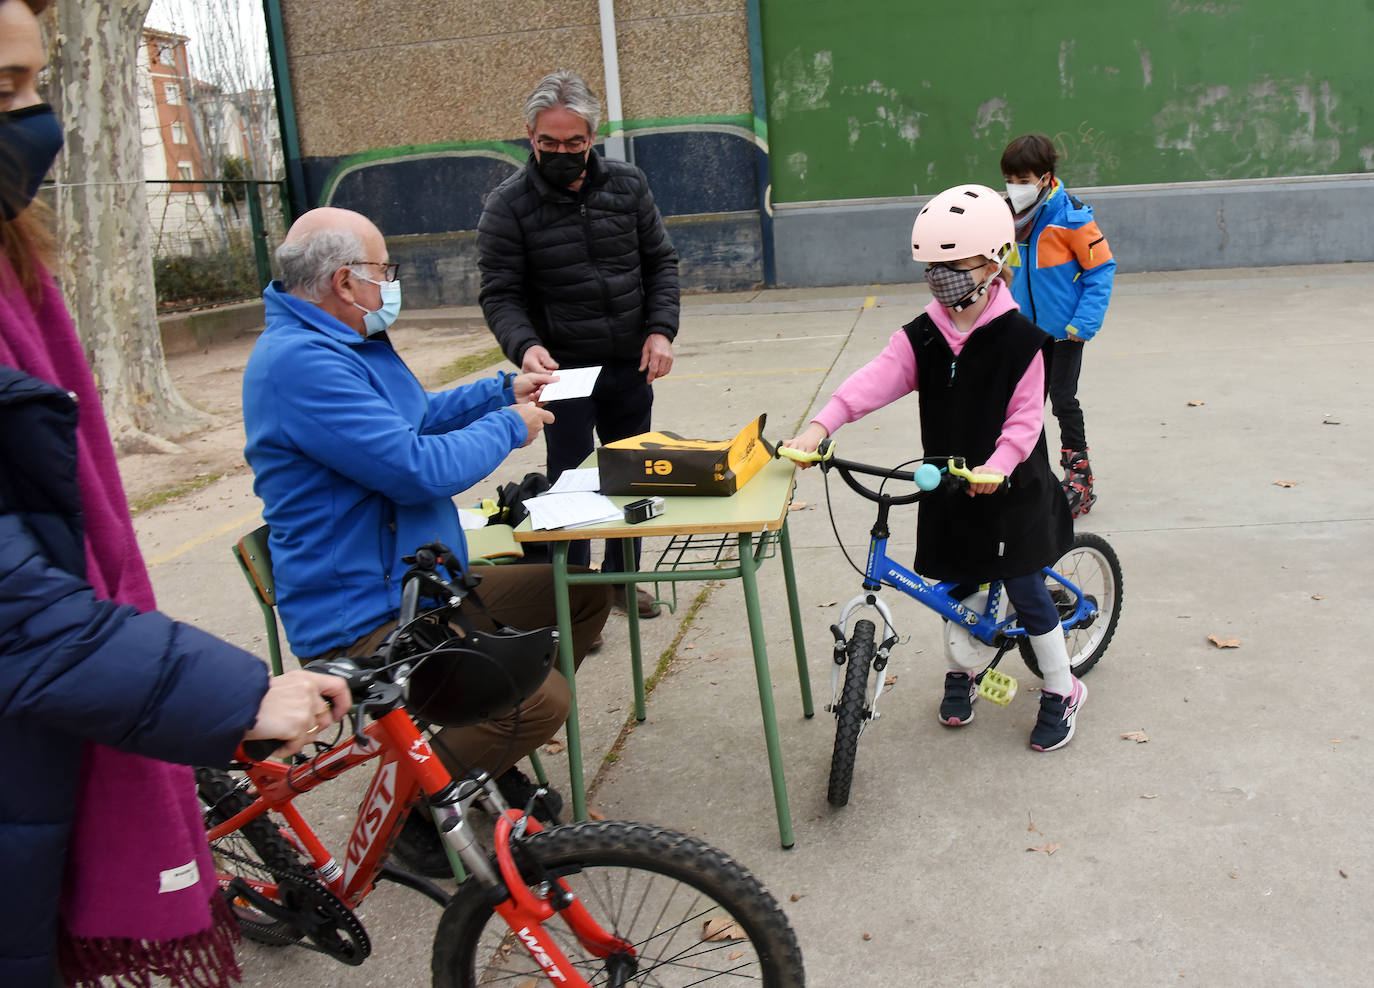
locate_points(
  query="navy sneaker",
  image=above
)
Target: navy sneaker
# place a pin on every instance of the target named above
(1058, 713)
(956, 709)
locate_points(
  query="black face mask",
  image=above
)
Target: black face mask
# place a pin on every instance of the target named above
(561, 168)
(29, 141)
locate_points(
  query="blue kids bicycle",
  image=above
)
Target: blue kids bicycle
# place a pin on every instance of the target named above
(1085, 584)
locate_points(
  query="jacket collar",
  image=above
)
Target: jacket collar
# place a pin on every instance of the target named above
(279, 304)
(17, 385)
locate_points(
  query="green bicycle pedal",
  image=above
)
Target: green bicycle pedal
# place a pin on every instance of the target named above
(997, 687)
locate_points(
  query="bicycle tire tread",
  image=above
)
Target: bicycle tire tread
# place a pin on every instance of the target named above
(849, 718)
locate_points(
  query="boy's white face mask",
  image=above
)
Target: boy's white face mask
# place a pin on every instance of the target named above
(1022, 197)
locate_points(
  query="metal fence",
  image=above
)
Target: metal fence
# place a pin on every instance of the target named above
(213, 240)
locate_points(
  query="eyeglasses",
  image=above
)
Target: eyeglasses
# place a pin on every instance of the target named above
(577, 145)
(391, 270)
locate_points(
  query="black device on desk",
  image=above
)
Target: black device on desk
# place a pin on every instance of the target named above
(643, 509)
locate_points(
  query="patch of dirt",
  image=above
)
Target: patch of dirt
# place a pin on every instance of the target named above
(212, 380)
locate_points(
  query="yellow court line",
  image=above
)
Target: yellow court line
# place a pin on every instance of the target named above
(746, 373)
(870, 301)
(203, 538)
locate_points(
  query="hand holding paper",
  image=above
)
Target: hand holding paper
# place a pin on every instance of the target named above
(576, 382)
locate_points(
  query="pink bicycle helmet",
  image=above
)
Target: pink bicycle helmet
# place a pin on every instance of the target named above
(964, 221)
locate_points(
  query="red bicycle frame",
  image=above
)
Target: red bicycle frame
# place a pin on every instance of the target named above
(408, 769)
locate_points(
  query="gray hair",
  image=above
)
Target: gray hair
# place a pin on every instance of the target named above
(566, 89)
(306, 265)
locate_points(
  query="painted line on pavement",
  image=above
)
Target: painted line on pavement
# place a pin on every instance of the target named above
(202, 538)
(787, 339)
(870, 301)
(754, 373)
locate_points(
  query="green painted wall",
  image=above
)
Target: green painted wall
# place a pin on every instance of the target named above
(872, 98)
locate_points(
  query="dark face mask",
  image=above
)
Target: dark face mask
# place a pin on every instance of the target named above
(561, 168)
(29, 141)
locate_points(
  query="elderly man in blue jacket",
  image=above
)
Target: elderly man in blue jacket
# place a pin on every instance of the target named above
(357, 466)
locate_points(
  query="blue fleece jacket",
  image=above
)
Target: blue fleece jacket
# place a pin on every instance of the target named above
(357, 465)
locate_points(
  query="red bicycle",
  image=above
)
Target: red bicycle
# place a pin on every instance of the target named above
(583, 904)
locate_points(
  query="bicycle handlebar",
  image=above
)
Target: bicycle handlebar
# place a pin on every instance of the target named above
(926, 477)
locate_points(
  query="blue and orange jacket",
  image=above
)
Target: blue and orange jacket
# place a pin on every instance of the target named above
(1063, 269)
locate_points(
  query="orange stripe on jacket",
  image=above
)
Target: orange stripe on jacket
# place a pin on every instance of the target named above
(1059, 245)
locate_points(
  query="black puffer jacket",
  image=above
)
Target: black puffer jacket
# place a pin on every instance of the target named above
(588, 274)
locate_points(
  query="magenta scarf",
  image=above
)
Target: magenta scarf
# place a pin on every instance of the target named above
(139, 896)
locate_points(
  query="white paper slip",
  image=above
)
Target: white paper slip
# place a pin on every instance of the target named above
(571, 481)
(469, 519)
(571, 510)
(574, 382)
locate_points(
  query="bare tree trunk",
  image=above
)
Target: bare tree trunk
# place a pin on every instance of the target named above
(103, 224)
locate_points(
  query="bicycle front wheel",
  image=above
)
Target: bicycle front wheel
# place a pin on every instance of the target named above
(694, 915)
(1092, 566)
(852, 712)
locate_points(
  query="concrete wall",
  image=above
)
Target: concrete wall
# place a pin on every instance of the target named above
(1150, 228)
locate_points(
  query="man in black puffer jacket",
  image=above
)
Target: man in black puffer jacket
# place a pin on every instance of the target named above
(577, 270)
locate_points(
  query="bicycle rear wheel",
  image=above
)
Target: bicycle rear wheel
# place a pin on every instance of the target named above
(656, 889)
(256, 851)
(1092, 566)
(852, 712)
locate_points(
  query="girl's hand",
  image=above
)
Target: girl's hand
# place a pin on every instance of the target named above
(808, 439)
(528, 387)
(990, 488)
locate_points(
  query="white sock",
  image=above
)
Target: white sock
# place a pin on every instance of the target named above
(1053, 657)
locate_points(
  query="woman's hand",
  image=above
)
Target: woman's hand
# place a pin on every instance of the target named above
(297, 705)
(807, 440)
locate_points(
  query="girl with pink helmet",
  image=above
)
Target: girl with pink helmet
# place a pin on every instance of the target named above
(977, 366)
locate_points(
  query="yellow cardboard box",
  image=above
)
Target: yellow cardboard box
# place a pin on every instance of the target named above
(666, 463)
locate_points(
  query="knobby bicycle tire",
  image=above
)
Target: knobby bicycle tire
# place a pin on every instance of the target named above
(255, 850)
(851, 713)
(1092, 564)
(656, 889)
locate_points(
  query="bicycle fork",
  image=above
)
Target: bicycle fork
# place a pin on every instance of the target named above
(880, 655)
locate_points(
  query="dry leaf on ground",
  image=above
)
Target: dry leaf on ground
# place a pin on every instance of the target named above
(595, 814)
(868, 936)
(890, 680)
(529, 983)
(1319, 596)
(796, 506)
(722, 929)
(1285, 483)
(1139, 737)
(1149, 795)
(735, 956)
(554, 747)
(796, 896)
(1196, 402)
(1047, 848)
(1220, 642)
(1331, 421)
(828, 603)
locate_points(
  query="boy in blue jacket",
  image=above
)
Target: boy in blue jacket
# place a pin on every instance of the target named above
(1063, 286)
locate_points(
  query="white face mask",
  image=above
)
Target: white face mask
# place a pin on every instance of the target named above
(379, 320)
(1022, 197)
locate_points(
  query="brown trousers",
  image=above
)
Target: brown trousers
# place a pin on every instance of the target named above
(520, 596)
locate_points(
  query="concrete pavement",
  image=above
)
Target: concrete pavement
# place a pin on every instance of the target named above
(1231, 848)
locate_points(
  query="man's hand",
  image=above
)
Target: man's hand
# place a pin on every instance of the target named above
(527, 387)
(297, 705)
(535, 419)
(656, 357)
(538, 360)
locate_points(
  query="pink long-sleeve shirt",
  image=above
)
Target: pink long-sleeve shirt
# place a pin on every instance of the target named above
(892, 374)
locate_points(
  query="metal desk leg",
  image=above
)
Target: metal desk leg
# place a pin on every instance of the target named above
(627, 553)
(563, 608)
(765, 681)
(794, 609)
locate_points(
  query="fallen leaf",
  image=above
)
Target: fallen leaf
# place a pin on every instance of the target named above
(1196, 402)
(828, 603)
(1220, 642)
(1234, 875)
(1331, 421)
(1149, 795)
(1139, 737)
(687, 646)
(1319, 596)
(890, 680)
(1342, 873)
(796, 896)
(531, 983)
(554, 747)
(595, 814)
(1335, 740)
(735, 956)
(868, 936)
(721, 929)
(1285, 483)
(796, 506)
(1047, 848)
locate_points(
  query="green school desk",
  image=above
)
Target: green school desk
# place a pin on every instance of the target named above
(710, 538)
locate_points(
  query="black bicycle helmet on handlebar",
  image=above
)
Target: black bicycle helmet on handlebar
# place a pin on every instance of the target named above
(480, 675)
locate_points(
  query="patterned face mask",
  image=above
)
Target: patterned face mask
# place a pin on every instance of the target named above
(953, 288)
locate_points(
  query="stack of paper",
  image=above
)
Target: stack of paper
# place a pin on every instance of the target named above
(571, 510)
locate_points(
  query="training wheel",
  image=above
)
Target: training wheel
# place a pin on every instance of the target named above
(997, 687)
